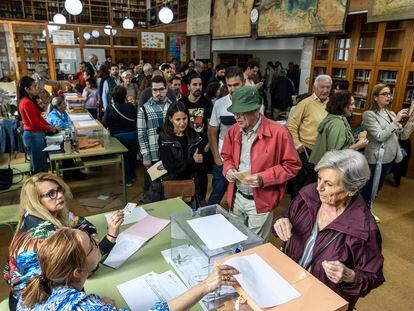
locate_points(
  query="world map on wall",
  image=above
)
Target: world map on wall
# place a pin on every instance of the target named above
(298, 17)
(231, 18)
(387, 10)
(198, 17)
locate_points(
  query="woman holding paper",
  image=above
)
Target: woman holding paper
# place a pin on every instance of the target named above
(69, 256)
(44, 209)
(331, 232)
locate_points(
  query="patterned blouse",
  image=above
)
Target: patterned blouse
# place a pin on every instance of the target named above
(23, 264)
(64, 298)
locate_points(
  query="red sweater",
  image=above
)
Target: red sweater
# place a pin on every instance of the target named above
(273, 156)
(32, 116)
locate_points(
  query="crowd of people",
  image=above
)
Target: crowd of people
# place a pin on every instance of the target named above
(199, 121)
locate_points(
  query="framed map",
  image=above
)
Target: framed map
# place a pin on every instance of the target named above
(389, 10)
(279, 18)
(231, 18)
(198, 17)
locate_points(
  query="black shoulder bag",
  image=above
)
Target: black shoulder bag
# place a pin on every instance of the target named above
(321, 250)
(6, 176)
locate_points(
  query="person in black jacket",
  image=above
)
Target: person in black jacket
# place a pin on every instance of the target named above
(281, 91)
(180, 152)
(121, 120)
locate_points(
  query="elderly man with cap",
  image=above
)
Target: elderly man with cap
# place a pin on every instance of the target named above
(259, 156)
(41, 78)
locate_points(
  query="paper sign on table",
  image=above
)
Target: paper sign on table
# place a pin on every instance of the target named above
(216, 231)
(52, 148)
(88, 123)
(79, 117)
(261, 283)
(133, 238)
(156, 173)
(135, 215)
(152, 288)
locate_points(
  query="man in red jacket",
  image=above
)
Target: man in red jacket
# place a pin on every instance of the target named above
(259, 157)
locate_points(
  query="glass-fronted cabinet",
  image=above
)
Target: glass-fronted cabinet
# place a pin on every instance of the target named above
(393, 41)
(367, 41)
(360, 87)
(322, 49)
(409, 90)
(7, 68)
(339, 74)
(342, 47)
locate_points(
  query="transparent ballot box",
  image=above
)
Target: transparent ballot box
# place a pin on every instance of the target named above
(75, 102)
(193, 255)
(89, 135)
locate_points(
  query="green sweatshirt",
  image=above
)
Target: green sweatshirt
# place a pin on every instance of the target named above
(334, 133)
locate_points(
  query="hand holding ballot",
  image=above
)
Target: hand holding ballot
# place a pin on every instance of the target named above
(114, 223)
(221, 275)
(249, 179)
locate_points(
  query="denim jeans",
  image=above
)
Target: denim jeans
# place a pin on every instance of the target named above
(130, 141)
(219, 185)
(366, 191)
(35, 143)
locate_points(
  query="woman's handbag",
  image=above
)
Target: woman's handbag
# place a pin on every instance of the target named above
(179, 188)
(6, 177)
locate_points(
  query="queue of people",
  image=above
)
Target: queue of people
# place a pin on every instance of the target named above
(331, 174)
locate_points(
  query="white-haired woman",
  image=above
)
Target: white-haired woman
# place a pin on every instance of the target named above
(131, 88)
(330, 230)
(44, 203)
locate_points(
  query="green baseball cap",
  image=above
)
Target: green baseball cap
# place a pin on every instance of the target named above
(245, 99)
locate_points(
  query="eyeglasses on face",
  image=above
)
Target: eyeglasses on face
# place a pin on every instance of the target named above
(385, 94)
(52, 194)
(161, 90)
(93, 245)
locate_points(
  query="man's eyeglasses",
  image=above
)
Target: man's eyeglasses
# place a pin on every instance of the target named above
(93, 245)
(161, 90)
(52, 194)
(385, 94)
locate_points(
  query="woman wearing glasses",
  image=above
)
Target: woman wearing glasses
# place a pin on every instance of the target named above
(67, 258)
(44, 209)
(384, 128)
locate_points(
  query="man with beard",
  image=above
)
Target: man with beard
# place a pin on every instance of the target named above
(220, 122)
(109, 85)
(219, 75)
(176, 87)
(150, 118)
(200, 109)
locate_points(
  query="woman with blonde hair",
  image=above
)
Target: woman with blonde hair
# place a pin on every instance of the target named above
(384, 127)
(66, 260)
(44, 200)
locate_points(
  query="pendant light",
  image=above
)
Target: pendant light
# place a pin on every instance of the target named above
(128, 23)
(59, 18)
(74, 7)
(165, 15)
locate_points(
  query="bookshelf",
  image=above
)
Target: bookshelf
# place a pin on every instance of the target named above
(360, 86)
(7, 70)
(409, 88)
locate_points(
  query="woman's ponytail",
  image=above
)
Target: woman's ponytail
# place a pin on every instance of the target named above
(36, 291)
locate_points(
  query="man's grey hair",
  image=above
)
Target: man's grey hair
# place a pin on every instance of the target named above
(322, 78)
(352, 164)
(92, 56)
(147, 67)
(40, 68)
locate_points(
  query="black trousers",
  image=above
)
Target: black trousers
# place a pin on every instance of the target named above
(12, 302)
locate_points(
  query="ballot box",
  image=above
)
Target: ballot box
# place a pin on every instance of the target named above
(313, 294)
(199, 238)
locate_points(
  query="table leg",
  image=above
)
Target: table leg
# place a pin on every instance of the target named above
(123, 179)
(57, 168)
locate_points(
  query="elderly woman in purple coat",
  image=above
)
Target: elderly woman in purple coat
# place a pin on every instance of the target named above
(331, 232)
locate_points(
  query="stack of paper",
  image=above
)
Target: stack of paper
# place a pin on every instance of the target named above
(136, 214)
(216, 231)
(132, 239)
(261, 283)
(152, 288)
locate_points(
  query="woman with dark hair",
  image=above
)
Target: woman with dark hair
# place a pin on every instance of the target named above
(34, 125)
(212, 91)
(179, 145)
(334, 132)
(121, 120)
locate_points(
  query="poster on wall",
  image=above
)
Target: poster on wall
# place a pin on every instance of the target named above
(198, 17)
(202, 47)
(231, 18)
(386, 10)
(297, 18)
(176, 44)
(152, 40)
(63, 37)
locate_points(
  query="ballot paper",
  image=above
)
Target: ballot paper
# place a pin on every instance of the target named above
(133, 238)
(52, 148)
(154, 172)
(216, 231)
(135, 214)
(152, 288)
(242, 175)
(79, 117)
(88, 123)
(261, 283)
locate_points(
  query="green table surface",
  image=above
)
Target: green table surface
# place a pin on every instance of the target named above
(104, 281)
(9, 213)
(113, 146)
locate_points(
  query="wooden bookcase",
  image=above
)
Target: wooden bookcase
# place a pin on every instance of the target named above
(367, 54)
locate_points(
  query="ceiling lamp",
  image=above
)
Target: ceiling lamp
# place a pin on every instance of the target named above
(128, 23)
(59, 18)
(165, 15)
(95, 33)
(109, 31)
(86, 36)
(73, 7)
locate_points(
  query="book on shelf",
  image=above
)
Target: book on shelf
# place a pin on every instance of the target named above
(409, 96)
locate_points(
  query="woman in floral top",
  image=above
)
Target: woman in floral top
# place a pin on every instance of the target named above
(43, 207)
(67, 258)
